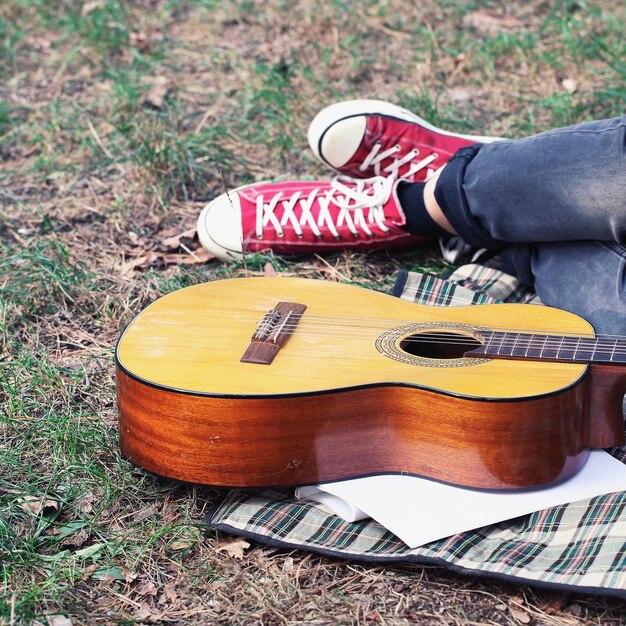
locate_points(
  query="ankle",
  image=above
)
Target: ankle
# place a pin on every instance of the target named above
(419, 221)
(433, 206)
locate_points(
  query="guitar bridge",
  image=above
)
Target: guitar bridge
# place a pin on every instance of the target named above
(272, 333)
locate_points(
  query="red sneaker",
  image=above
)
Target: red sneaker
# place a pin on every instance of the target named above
(365, 138)
(304, 217)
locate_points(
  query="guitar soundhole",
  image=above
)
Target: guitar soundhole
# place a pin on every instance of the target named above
(438, 345)
(431, 344)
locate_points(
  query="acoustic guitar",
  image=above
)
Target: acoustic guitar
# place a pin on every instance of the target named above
(285, 381)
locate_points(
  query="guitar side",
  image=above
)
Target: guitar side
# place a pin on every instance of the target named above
(320, 437)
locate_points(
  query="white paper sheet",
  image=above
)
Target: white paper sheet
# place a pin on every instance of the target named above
(419, 511)
(335, 504)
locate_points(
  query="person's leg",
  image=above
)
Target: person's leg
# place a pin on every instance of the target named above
(585, 277)
(487, 203)
(562, 185)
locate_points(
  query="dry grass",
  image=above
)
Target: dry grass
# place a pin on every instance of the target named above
(118, 121)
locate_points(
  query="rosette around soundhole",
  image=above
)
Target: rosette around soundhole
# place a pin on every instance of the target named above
(432, 344)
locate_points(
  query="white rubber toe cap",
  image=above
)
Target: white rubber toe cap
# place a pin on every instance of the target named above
(219, 227)
(341, 141)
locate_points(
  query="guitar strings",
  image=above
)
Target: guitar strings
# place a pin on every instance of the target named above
(530, 341)
(325, 322)
(526, 341)
(528, 348)
(520, 339)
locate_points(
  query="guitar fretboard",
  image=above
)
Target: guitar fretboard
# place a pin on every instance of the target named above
(539, 347)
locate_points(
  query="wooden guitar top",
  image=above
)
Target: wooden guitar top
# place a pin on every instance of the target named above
(192, 340)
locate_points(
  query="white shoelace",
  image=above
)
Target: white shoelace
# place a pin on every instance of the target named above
(454, 247)
(360, 203)
(376, 157)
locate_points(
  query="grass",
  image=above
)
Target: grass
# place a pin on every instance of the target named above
(99, 171)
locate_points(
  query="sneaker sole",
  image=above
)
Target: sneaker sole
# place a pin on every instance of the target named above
(354, 108)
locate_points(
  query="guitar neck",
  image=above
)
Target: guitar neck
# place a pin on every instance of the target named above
(558, 348)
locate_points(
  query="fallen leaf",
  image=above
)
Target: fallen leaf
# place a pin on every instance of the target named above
(135, 238)
(146, 589)
(569, 84)
(170, 593)
(374, 616)
(41, 44)
(155, 97)
(139, 41)
(553, 606)
(88, 571)
(487, 24)
(105, 128)
(39, 505)
(180, 545)
(520, 616)
(57, 179)
(144, 41)
(173, 242)
(234, 547)
(171, 232)
(140, 262)
(143, 612)
(128, 575)
(85, 504)
(58, 620)
(160, 259)
(268, 270)
(149, 511)
(460, 95)
(170, 514)
(88, 7)
(76, 540)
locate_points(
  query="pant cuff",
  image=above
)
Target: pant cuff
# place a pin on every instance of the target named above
(450, 196)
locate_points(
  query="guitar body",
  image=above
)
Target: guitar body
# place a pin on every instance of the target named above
(347, 394)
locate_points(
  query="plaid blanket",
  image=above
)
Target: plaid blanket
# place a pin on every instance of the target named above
(579, 546)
